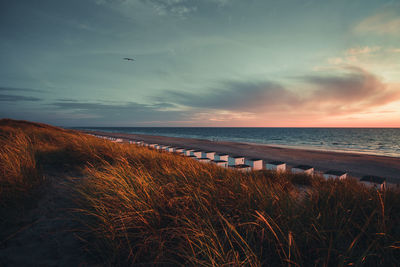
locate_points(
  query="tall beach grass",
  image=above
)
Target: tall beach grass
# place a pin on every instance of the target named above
(142, 206)
(152, 207)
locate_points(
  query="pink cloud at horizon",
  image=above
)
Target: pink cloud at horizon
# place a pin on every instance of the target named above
(349, 96)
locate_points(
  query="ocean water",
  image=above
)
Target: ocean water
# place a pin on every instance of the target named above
(375, 141)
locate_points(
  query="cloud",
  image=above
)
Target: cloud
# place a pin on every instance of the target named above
(349, 86)
(13, 89)
(10, 97)
(355, 54)
(17, 98)
(353, 90)
(347, 90)
(243, 96)
(184, 7)
(68, 103)
(177, 7)
(382, 60)
(106, 112)
(362, 50)
(385, 22)
(161, 7)
(333, 93)
(223, 116)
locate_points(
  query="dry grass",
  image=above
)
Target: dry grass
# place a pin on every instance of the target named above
(25, 147)
(18, 168)
(141, 206)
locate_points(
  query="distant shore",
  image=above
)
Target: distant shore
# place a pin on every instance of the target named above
(355, 164)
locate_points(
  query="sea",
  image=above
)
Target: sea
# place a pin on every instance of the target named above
(374, 141)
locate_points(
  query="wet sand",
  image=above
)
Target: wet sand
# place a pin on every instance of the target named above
(356, 165)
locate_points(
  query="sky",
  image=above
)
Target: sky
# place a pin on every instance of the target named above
(239, 63)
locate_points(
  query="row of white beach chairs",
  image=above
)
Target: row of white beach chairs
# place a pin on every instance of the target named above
(249, 164)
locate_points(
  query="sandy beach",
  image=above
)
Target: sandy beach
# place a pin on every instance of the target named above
(356, 165)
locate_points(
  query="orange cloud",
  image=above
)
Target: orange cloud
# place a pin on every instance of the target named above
(354, 91)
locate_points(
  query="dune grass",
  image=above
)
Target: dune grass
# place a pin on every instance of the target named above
(156, 207)
(141, 206)
(18, 169)
(26, 147)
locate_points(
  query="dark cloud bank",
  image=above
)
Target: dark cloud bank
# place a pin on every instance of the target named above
(105, 112)
(11, 97)
(17, 98)
(352, 91)
(238, 96)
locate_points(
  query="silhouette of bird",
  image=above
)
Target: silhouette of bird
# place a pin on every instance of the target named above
(129, 59)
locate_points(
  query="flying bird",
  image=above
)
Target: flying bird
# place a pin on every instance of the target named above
(129, 59)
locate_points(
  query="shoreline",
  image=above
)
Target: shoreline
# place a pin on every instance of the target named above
(356, 164)
(310, 148)
(322, 145)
